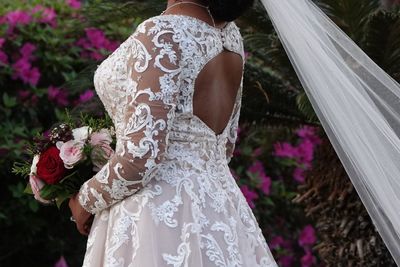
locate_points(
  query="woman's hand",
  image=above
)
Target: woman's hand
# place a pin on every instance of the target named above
(83, 219)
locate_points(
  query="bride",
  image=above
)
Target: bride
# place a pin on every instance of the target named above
(173, 90)
(167, 197)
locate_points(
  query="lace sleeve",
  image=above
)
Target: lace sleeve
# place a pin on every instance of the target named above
(153, 74)
(233, 128)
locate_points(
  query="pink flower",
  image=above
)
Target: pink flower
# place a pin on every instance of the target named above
(3, 57)
(58, 96)
(61, 262)
(308, 260)
(18, 17)
(24, 71)
(257, 168)
(285, 150)
(298, 175)
(86, 96)
(26, 51)
(20, 66)
(71, 152)
(286, 261)
(36, 185)
(307, 236)
(101, 137)
(250, 195)
(247, 55)
(96, 37)
(49, 16)
(94, 43)
(306, 150)
(31, 76)
(75, 4)
(266, 185)
(276, 242)
(308, 132)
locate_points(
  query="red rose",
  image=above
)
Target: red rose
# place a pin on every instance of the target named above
(50, 167)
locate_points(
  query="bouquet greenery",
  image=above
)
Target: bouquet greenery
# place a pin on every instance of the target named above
(64, 157)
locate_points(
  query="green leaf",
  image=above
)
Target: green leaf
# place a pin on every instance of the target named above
(61, 198)
(28, 189)
(34, 205)
(8, 101)
(49, 191)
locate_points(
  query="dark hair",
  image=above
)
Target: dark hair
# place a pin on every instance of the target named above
(228, 10)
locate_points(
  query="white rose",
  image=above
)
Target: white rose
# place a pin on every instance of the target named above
(34, 163)
(82, 133)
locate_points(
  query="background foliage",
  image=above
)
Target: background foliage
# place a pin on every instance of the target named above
(48, 53)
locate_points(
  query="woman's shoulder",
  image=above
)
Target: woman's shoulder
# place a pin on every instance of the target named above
(178, 22)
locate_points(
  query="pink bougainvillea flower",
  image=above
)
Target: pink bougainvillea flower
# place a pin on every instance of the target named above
(3, 57)
(307, 236)
(309, 132)
(19, 66)
(247, 55)
(257, 168)
(30, 76)
(96, 37)
(266, 185)
(58, 96)
(298, 174)
(285, 150)
(75, 4)
(2, 41)
(276, 242)
(308, 259)
(86, 96)
(18, 17)
(47, 15)
(306, 150)
(250, 195)
(95, 43)
(27, 50)
(24, 71)
(61, 262)
(286, 261)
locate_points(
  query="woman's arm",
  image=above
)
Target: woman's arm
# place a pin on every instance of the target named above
(152, 87)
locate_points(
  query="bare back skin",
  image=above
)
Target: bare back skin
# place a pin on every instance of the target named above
(218, 83)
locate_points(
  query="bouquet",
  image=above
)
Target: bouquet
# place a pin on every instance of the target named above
(65, 157)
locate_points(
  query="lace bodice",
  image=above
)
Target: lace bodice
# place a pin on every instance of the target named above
(147, 87)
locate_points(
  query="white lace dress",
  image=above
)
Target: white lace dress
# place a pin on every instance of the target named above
(167, 196)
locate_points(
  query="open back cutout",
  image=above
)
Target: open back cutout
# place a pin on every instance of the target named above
(216, 88)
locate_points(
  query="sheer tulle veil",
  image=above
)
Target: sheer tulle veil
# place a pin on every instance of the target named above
(357, 103)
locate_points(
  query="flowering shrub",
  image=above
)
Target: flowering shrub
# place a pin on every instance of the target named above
(48, 53)
(268, 172)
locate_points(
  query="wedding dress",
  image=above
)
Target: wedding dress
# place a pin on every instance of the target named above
(167, 197)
